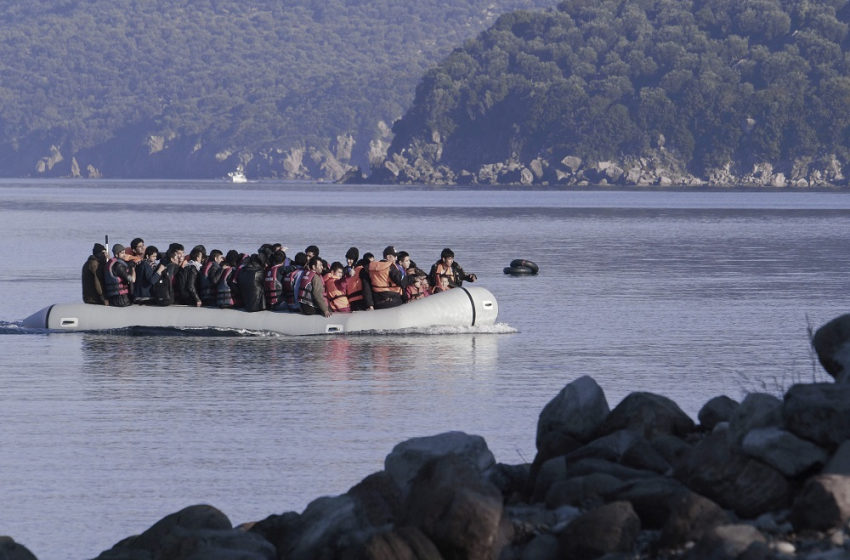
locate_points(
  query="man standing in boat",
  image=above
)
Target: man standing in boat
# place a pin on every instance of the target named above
(93, 276)
(447, 267)
(385, 281)
(118, 278)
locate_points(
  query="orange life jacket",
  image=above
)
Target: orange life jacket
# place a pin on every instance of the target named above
(379, 274)
(354, 286)
(335, 294)
(443, 270)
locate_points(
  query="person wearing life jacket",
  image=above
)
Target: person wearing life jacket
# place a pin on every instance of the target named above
(251, 278)
(385, 281)
(148, 273)
(335, 289)
(118, 278)
(311, 289)
(187, 284)
(136, 252)
(224, 289)
(276, 277)
(416, 288)
(355, 285)
(447, 266)
(162, 291)
(208, 278)
(293, 279)
(93, 276)
(351, 257)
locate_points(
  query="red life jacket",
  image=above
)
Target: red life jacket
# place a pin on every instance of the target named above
(335, 294)
(272, 286)
(354, 286)
(379, 273)
(305, 288)
(114, 285)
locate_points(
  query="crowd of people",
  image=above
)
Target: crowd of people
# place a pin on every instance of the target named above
(267, 279)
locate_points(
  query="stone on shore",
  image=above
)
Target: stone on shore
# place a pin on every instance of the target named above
(783, 451)
(832, 345)
(610, 528)
(819, 412)
(575, 412)
(648, 414)
(10, 550)
(730, 542)
(823, 503)
(719, 409)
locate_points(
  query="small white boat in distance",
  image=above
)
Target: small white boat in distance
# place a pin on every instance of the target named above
(237, 176)
(459, 307)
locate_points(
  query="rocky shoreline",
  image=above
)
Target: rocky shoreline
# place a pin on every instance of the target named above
(766, 478)
(657, 168)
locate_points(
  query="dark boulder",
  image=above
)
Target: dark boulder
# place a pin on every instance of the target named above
(457, 509)
(404, 543)
(819, 412)
(823, 503)
(717, 470)
(607, 529)
(832, 345)
(691, 517)
(576, 411)
(730, 542)
(199, 531)
(10, 550)
(719, 409)
(648, 414)
(626, 447)
(651, 498)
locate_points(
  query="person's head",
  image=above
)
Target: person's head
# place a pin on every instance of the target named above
(447, 256)
(300, 259)
(277, 258)
(265, 249)
(417, 281)
(176, 249)
(403, 259)
(98, 250)
(336, 269)
(312, 251)
(216, 256)
(119, 251)
(389, 253)
(197, 253)
(277, 247)
(174, 255)
(367, 258)
(138, 246)
(151, 253)
(315, 264)
(352, 255)
(443, 282)
(232, 258)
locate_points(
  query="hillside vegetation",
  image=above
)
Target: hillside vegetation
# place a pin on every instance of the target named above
(179, 88)
(718, 88)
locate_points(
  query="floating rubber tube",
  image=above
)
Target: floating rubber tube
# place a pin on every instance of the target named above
(522, 267)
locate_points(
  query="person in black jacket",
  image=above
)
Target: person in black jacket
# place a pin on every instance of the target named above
(187, 278)
(148, 272)
(93, 276)
(250, 282)
(209, 276)
(162, 291)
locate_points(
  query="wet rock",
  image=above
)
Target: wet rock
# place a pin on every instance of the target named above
(610, 528)
(406, 458)
(832, 345)
(591, 465)
(823, 503)
(325, 527)
(783, 450)
(456, 508)
(672, 448)
(648, 414)
(757, 410)
(819, 412)
(576, 411)
(719, 409)
(194, 532)
(378, 499)
(716, 470)
(691, 517)
(571, 163)
(729, 542)
(10, 550)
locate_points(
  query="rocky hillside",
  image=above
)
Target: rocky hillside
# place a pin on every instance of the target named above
(301, 89)
(638, 92)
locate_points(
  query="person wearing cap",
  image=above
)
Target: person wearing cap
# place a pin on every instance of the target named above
(447, 267)
(93, 276)
(384, 282)
(118, 278)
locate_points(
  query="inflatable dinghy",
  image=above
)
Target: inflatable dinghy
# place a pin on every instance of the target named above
(459, 307)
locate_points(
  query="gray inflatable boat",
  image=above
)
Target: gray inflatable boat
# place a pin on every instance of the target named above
(459, 307)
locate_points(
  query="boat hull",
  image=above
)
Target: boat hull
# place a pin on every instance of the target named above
(460, 307)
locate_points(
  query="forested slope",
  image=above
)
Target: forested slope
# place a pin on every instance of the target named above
(638, 92)
(173, 88)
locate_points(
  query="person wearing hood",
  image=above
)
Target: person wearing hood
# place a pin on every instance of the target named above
(93, 276)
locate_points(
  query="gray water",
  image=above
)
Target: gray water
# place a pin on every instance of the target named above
(686, 294)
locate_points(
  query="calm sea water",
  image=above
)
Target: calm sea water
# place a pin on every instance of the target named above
(686, 294)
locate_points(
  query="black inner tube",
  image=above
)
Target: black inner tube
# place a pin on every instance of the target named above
(519, 263)
(519, 271)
